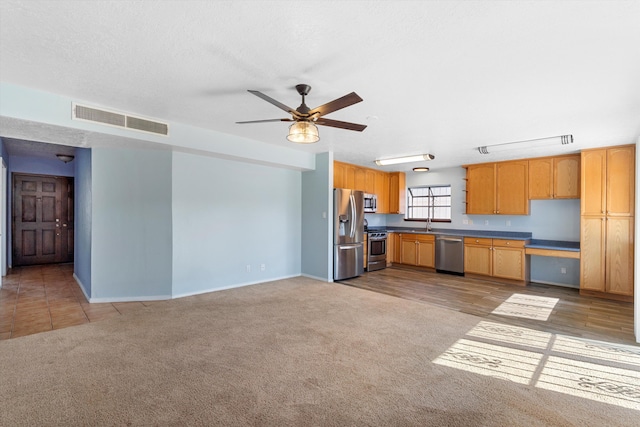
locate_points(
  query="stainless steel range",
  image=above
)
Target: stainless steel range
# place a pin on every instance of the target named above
(377, 251)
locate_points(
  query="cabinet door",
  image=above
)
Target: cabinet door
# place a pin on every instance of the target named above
(477, 259)
(619, 256)
(512, 188)
(592, 253)
(409, 250)
(541, 178)
(397, 252)
(397, 192)
(370, 181)
(566, 177)
(359, 181)
(366, 251)
(508, 263)
(338, 175)
(593, 182)
(620, 181)
(382, 191)
(349, 176)
(481, 185)
(426, 254)
(391, 240)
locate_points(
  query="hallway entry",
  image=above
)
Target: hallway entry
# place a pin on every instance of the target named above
(42, 219)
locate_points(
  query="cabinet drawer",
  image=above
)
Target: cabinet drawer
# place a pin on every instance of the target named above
(509, 243)
(425, 237)
(478, 241)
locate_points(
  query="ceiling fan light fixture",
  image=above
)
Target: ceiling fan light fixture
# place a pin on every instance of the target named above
(406, 159)
(303, 132)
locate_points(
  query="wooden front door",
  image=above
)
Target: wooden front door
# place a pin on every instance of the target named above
(42, 219)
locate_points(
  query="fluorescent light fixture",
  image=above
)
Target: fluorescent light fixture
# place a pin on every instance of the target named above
(530, 143)
(421, 169)
(407, 159)
(303, 133)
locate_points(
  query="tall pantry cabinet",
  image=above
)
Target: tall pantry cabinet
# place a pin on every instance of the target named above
(607, 222)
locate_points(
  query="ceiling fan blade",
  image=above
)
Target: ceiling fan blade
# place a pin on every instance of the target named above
(336, 104)
(278, 104)
(339, 124)
(266, 121)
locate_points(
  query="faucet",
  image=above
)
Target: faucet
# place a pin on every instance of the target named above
(428, 224)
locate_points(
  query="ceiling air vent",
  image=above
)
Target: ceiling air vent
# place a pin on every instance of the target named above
(111, 118)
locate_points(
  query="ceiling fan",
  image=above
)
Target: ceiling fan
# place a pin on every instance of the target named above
(303, 130)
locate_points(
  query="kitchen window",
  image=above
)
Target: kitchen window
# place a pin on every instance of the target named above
(433, 202)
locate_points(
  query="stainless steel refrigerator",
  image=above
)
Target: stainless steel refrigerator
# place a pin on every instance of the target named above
(348, 233)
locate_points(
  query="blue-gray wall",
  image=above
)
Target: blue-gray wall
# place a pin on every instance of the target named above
(228, 215)
(130, 224)
(82, 219)
(317, 219)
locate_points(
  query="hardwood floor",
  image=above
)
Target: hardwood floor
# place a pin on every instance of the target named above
(42, 298)
(574, 315)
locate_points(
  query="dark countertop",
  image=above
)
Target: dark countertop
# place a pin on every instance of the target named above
(514, 235)
(558, 245)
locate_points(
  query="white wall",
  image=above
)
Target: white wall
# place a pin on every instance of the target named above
(130, 224)
(227, 215)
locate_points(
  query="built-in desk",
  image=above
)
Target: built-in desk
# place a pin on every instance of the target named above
(554, 248)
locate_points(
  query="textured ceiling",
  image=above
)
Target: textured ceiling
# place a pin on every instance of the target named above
(436, 76)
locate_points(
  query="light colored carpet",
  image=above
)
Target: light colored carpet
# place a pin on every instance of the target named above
(294, 352)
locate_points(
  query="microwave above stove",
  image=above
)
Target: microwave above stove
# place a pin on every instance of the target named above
(370, 202)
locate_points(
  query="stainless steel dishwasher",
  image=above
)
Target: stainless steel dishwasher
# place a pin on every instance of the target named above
(450, 254)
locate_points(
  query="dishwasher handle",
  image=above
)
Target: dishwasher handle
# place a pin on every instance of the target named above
(449, 239)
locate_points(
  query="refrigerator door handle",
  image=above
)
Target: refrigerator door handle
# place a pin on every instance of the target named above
(347, 247)
(352, 201)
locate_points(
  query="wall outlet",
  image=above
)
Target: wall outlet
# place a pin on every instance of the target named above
(465, 221)
(263, 267)
(470, 222)
(563, 270)
(248, 268)
(486, 222)
(324, 215)
(508, 223)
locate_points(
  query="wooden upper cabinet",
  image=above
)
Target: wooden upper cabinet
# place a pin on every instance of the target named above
(370, 181)
(620, 192)
(594, 182)
(541, 178)
(512, 188)
(397, 192)
(338, 175)
(554, 177)
(382, 191)
(360, 179)
(608, 186)
(566, 177)
(481, 189)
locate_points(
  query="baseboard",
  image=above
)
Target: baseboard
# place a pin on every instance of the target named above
(131, 299)
(322, 279)
(237, 285)
(79, 282)
(564, 285)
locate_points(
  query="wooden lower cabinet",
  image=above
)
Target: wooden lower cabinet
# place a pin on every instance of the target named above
(606, 255)
(391, 245)
(500, 258)
(418, 249)
(477, 256)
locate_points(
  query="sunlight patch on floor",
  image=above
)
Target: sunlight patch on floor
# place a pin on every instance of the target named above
(596, 370)
(527, 306)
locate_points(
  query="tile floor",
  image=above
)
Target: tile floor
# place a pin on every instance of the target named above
(45, 297)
